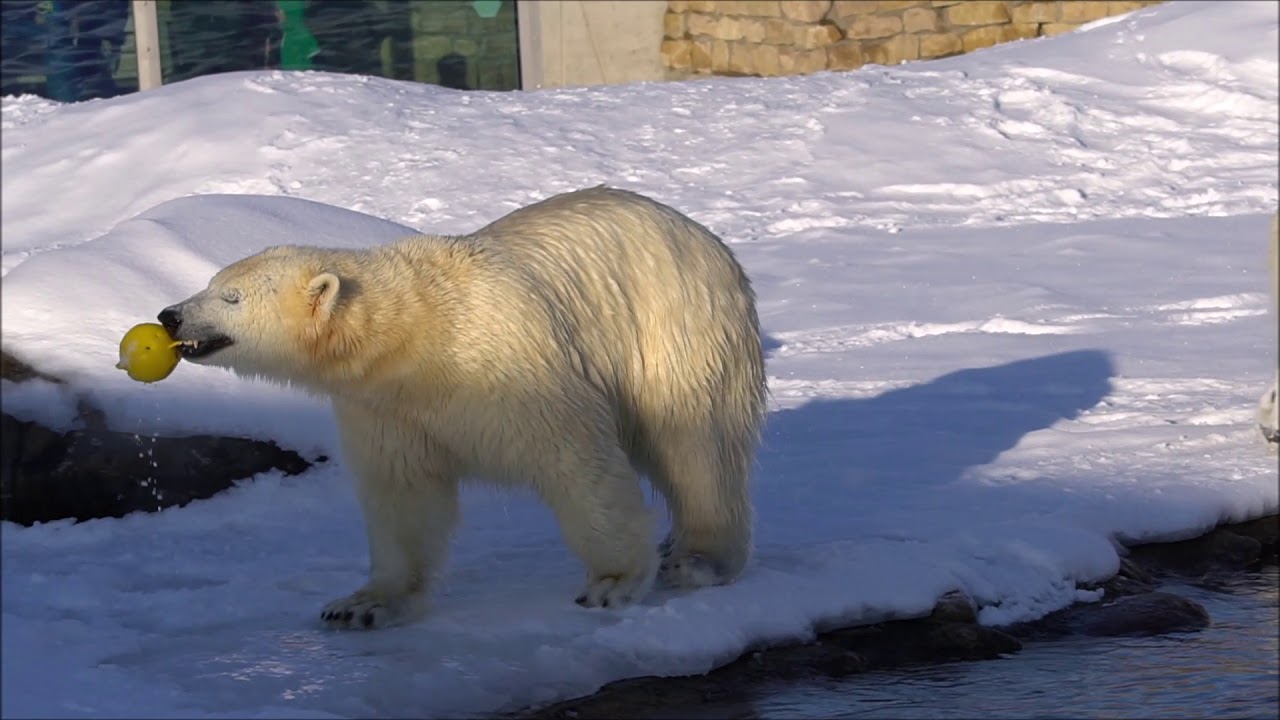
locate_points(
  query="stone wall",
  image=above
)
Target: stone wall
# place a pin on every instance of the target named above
(790, 37)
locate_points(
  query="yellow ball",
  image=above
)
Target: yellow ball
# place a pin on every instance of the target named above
(147, 353)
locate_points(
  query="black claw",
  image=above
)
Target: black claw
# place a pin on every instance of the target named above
(581, 600)
(368, 619)
(346, 616)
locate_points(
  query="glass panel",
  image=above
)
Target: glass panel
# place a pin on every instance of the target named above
(203, 37)
(457, 43)
(465, 43)
(67, 50)
(80, 49)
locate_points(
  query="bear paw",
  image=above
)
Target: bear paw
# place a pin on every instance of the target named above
(688, 571)
(361, 610)
(614, 591)
(666, 547)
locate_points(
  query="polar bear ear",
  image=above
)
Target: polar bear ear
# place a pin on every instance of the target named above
(323, 294)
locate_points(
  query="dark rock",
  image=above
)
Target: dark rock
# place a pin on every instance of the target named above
(835, 654)
(1154, 613)
(840, 663)
(955, 606)
(1131, 607)
(1266, 530)
(1122, 586)
(729, 685)
(92, 473)
(12, 368)
(1148, 613)
(1133, 571)
(790, 662)
(653, 698)
(1130, 579)
(950, 632)
(906, 642)
(1217, 550)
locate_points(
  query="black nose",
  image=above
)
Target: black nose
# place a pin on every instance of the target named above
(171, 319)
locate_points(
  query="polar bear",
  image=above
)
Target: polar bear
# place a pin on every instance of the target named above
(569, 346)
(1269, 403)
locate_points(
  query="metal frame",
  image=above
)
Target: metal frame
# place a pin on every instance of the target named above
(529, 43)
(146, 40)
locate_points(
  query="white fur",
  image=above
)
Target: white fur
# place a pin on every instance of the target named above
(567, 347)
(1269, 403)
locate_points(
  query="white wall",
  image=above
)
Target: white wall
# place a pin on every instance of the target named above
(589, 42)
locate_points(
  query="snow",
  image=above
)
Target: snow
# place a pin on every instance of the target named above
(1016, 311)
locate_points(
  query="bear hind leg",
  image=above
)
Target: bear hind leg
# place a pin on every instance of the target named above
(706, 488)
(605, 522)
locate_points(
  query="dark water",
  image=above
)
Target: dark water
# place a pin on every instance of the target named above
(1230, 670)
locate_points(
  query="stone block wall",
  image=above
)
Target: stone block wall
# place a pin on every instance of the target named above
(791, 37)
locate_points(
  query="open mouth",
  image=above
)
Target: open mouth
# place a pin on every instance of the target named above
(192, 349)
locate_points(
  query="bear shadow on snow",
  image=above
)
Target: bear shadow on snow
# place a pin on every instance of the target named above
(769, 343)
(926, 434)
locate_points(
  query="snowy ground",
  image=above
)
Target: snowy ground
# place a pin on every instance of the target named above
(1015, 303)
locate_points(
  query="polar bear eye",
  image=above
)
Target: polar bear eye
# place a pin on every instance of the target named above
(231, 297)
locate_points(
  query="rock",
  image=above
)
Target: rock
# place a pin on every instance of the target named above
(840, 663)
(93, 473)
(1266, 530)
(11, 368)
(790, 662)
(1217, 550)
(1130, 579)
(836, 654)
(1154, 613)
(1131, 606)
(906, 642)
(645, 697)
(1121, 586)
(1131, 570)
(1147, 613)
(955, 606)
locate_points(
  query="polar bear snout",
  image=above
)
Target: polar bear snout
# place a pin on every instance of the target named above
(171, 319)
(198, 340)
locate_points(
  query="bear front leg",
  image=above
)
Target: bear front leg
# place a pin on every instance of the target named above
(600, 506)
(408, 538)
(410, 505)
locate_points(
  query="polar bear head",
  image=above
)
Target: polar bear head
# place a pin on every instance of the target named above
(276, 315)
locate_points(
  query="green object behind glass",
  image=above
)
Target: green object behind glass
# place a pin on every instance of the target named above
(298, 45)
